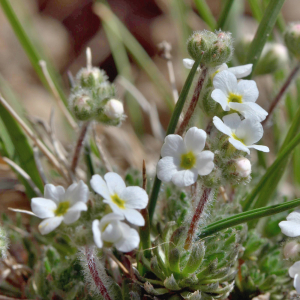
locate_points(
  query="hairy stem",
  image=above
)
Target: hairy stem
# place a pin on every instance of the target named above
(79, 144)
(196, 218)
(286, 85)
(93, 270)
(193, 102)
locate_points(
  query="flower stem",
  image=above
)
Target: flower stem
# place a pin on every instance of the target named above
(196, 218)
(286, 85)
(93, 270)
(79, 144)
(194, 101)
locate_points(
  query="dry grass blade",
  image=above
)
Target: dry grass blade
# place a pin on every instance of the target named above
(39, 164)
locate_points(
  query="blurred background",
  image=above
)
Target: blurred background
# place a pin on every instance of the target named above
(122, 39)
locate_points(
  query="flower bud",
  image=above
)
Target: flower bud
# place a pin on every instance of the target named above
(242, 167)
(82, 105)
(292, 39)
(112, 113)
(90, 77)
(274, 57)
(222, 49)
(291, 249)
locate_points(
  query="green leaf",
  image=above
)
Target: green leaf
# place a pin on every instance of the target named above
(263, 32)
(248, 216)
(171, 129)
(205, 13)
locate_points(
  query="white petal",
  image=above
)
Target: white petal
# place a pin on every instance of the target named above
(54, 193)
(185, 177)
(135, 197)
(260, 113)
(49, 225)
(249, 110)
(115, 183)
(290, 228)
(73, 213)
(260, 148)
(294, 216)
(195, 139)
(166, 168)
(77, 192)
(112, 217)
(97, 233)
(43, 208)
(100, 186)
(221, 126)
(226, 82)
(241, 71)
(221, 98)
(112, 232)
(233, 121)
(205, 162)
(130, 240)
(297, 283)
(251, 131)
(238, 145)
(173, 146)
(223, 67)
(188, 63)
(248, 89)
(134, 217)
(294, 269)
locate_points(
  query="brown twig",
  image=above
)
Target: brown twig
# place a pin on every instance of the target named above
(194, 101)
(144, 175)
(78, 147)
(196, 218)
(223, 193)
(276, 100)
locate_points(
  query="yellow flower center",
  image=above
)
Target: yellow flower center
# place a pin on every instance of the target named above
(234, 98)
(238, 139)
(188, 160)
(62, 208)
(117, 200)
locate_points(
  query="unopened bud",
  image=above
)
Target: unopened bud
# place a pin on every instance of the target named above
(291, 249)
(242, 166)
(113, 113)
(90, 77)
(199, 43)
(222, 49)
(82, 105)
(292, 39)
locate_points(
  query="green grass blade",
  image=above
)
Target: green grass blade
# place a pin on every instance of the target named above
(224, 14)
(256, 9)
(138, 53)
(263, 32)
(171, 129)
(271, 170)
(205, 13)
(29, 48)
(248, 216)
(23, 152)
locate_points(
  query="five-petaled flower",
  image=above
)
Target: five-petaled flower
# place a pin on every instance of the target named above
(294, 272)
(111, 231)
(291, 227)
(183, 159)
(242, 133)
(238, 96)
(60, 205)
(123, 200)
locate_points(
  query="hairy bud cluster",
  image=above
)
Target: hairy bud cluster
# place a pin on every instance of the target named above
(93, 97)
(292, 39)
(215, 47)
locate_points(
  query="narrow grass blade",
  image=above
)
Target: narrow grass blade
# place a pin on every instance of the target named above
(205, 13)
(138, 53)
(171, 129)
(224, 14)
(256, 9)
(248, 216)
(23, 152)
(263, 32)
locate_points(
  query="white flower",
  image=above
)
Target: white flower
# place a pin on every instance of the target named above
(239, 96)
(239, 72)
(294, 272)
(123, 200)
(112, 231)
(291, 227)
(60, 205)
(183, 159)
(242, 133)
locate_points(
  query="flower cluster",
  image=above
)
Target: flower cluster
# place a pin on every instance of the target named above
(60, 205)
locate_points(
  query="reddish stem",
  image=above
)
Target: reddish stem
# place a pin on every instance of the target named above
(281, 92)
(196, 218)
(93, 270)
(193, 102)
